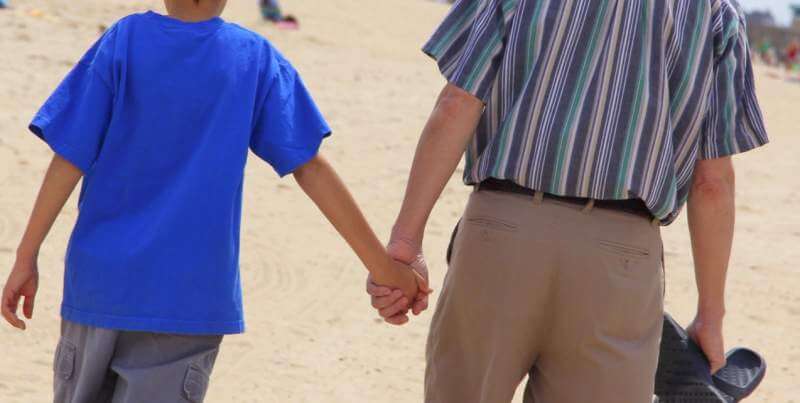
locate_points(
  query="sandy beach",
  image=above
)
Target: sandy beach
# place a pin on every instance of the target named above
(311, 334)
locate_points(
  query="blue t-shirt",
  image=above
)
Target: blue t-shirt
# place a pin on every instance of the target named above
(159, 115)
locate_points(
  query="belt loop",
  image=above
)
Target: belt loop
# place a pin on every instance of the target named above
(655, 222)
(588, 207)
(538, 197)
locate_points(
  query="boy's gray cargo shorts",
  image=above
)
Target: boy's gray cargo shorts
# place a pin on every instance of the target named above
(102, 365)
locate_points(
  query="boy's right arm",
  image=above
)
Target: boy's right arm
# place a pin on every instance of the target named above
(321, 183)
(59, 182)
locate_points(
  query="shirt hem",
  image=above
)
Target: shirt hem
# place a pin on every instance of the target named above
(39, 127)
(154, 325)
(453, 78)
(732, 151)
(304, 156)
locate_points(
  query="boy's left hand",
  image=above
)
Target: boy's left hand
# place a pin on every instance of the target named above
(22, 282)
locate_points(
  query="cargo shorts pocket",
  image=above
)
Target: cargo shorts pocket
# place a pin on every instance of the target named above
(64, 365)
(195, 384)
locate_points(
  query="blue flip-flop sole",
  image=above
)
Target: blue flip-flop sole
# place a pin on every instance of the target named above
(684, 373)
(742, 374)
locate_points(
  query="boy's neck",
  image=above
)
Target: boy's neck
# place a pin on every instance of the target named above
(194, 11)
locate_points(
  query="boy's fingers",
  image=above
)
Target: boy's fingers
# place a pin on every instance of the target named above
(9, 311)
(13, 320)
(398, 307)
(384, 302)
(397, 320)
(377, 290)
(27, 306)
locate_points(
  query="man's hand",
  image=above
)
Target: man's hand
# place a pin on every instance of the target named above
(707, 333)
(402, 277)
(22, 282)
(392, 305)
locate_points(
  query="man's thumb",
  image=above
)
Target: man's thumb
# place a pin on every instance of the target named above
(422, 284)
(717, 363)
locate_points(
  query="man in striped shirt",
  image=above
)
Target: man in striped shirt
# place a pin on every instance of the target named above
(587, 124)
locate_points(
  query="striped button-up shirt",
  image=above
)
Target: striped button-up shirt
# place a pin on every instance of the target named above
(603, 99)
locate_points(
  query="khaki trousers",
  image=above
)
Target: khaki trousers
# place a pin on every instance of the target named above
(570, 295)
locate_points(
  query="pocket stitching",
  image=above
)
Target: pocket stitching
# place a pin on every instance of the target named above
(492, 223)
(195, 383)
(65, 360)
(624, 250)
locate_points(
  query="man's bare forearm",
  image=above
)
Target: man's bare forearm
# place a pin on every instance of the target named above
(711, 211)
(59, 183)
(443, 141)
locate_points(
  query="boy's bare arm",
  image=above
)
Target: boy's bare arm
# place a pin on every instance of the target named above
(321, 183)
(711, 221)
(59, 182)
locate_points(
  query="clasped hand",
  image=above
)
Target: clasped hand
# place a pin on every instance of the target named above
(393, 303)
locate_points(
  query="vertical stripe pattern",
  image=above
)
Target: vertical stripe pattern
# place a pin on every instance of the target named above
(607, 99)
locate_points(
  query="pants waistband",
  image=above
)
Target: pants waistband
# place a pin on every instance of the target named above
(632, 206)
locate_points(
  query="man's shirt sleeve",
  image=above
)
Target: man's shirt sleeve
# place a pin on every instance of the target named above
(469, 44)
(734, 123)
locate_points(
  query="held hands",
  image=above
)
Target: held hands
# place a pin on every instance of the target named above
(23, 281)
(392, 303)
(404, 279)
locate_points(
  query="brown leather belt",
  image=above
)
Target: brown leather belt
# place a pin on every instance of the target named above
(632, 206)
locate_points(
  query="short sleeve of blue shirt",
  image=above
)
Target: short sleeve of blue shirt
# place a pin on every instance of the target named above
(289, 127)
(73, 121)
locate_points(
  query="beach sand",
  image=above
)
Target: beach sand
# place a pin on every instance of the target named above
(311, 334)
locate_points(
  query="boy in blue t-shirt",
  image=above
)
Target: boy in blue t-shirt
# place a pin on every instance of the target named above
(157, 118)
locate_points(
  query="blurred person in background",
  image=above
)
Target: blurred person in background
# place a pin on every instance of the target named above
(792, 53)
(271, 11)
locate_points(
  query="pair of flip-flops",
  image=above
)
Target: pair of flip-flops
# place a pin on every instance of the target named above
(684, 374)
